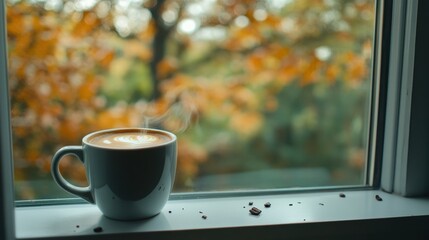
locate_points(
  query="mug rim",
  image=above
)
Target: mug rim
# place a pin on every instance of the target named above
(89, 135)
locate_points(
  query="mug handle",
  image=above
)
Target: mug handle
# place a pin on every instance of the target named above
(83, 192)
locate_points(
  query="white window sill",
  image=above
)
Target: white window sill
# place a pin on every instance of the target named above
(299, 215)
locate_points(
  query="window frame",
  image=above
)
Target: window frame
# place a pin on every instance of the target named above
(405, 170)
(7, 216)
(401, 146)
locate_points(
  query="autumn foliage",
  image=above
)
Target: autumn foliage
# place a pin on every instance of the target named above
(245, 84)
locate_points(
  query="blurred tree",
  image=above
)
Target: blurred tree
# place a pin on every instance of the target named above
(256, 84)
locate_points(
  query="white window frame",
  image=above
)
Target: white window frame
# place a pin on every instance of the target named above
(316, 214)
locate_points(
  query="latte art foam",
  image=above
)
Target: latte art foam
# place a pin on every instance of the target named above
(139, 139)
(131, 139)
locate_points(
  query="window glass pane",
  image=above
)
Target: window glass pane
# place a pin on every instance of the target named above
(261, 94)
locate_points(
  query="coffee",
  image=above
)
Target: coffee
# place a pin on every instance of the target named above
(130, 171)
(128, 139)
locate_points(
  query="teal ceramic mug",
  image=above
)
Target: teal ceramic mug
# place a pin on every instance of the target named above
(130, 171)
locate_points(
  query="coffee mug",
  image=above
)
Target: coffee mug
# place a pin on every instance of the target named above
(130, 171)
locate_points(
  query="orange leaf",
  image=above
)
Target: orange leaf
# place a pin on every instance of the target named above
(246, 123)
(166, 67)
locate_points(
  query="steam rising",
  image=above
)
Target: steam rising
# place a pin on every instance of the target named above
(176, 119)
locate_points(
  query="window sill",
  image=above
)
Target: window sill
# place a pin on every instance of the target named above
(299, 215)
